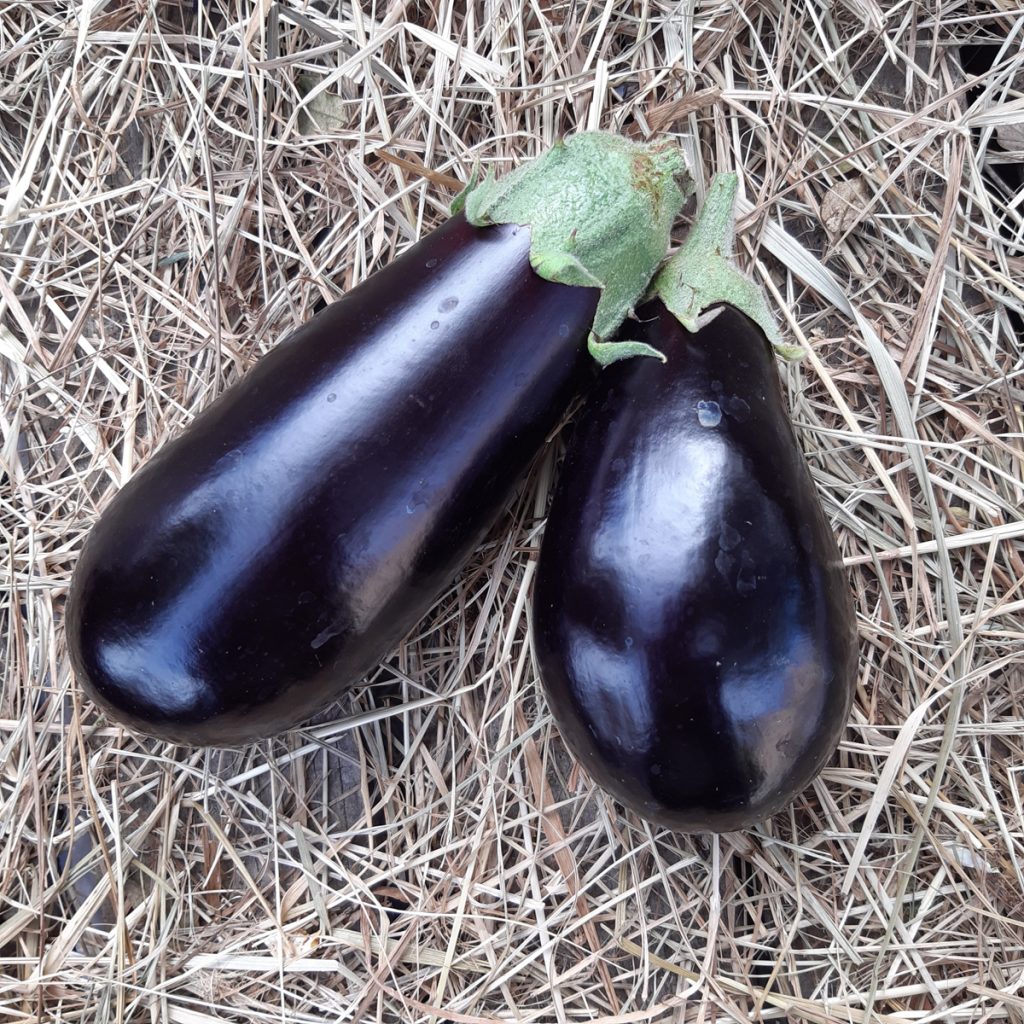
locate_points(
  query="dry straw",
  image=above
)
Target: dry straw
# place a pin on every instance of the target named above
(178, 190)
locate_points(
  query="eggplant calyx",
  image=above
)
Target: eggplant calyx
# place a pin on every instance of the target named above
(608, 352)
(458, 204)
(702, 274)
(600, 209)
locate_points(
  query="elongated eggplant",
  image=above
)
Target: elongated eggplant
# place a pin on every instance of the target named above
(692, 621)
(268, 557)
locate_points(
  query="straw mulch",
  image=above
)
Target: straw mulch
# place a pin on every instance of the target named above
(177, 191)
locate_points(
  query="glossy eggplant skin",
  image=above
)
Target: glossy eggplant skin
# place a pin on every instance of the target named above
(273, 553)
(692, 621)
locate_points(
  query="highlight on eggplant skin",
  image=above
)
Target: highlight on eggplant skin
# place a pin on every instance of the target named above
(692, 621)
(272, 554)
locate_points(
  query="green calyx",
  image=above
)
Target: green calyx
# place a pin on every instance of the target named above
(600, 210)
(702, 273)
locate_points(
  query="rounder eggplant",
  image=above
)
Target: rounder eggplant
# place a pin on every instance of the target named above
(692, 620)
(268, 557)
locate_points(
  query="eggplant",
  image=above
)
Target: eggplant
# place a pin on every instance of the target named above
(272, 554)
(692, 622)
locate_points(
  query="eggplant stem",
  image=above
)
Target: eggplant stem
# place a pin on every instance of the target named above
(600, 210)
(714, 230)
(702, 274)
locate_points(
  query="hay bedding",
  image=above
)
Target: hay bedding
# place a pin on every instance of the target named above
(178, 191)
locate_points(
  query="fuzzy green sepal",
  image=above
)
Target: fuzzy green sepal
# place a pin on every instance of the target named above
(600, 210)
(608, 352)
(458, 204)
(702, 273)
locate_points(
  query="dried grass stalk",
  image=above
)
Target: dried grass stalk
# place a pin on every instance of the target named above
(178, 189)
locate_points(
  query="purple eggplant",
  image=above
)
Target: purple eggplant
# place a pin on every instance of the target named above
(279, 548)
(692, 621)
